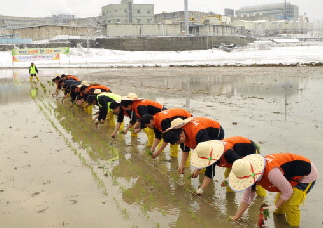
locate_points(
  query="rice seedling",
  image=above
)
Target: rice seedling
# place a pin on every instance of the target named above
(125, 213)
(104, 160)
(149, 152)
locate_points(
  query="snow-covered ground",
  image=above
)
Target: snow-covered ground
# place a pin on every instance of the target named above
(83, 57)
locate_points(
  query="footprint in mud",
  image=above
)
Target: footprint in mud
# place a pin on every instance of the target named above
(42, 210)
(73, 202)
(35, 194)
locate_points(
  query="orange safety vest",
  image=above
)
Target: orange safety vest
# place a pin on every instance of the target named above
(293, 166)
(72, 77)
(144, 102)
(230, 143)
(97, 86)
(193, 127)
(125, 113)
(170, 114)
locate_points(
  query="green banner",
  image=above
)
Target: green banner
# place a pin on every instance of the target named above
(41, 51)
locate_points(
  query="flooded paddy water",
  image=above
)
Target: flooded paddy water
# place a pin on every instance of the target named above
(57, 169)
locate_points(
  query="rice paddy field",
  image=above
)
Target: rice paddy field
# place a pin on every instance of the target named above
(57, 169)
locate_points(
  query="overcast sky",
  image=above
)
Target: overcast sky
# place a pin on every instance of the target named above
(85, 8)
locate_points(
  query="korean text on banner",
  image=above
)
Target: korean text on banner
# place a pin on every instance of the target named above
(26, 58)
(41, 51)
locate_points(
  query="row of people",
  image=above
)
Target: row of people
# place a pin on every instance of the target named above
(292, 176)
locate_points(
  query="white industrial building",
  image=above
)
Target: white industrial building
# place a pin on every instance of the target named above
(128, 13)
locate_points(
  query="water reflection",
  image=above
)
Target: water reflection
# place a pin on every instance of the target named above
(148, 185)
(271, 106)
(13, 91)
(33, 90)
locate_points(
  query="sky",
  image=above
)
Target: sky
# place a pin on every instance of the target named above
(87, 8)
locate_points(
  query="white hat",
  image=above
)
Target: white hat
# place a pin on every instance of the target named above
(131, 97)
(178, 123)
(84, 83)
(246, 171)
(97, 91)
(207, 153)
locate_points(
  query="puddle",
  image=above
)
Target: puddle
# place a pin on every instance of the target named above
(278, 108)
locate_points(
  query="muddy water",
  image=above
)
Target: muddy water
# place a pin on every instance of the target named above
(114, 183)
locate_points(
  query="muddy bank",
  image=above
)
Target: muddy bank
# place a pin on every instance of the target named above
(59, 170)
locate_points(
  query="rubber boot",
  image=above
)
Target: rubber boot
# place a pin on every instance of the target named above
(110, 118)
(291, 207)
(150, 135)
(37, 78)
(260, 191)
(173, 150)
(202, 171)
(90, 109)
(83, 105)
(86, 108)
(188, 161)
(281, 209)
(160, 144)
(122, 126)
(134, 134)
(226, 175)
(31, 78)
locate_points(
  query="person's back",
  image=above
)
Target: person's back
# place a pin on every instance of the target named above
(145, 106)
(162, 120)
(201, 129)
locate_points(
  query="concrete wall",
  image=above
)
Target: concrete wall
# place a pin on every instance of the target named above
(144, 43)
(170, 30)
(6, 47)
(170, 43)
(216, 30)
(49, 31)
(142, 30)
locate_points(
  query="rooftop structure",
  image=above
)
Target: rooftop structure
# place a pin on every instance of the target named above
(285, 11)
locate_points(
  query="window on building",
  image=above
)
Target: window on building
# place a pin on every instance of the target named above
(138, 10)
(148, 20)
(118, 20)
(138, 21)
(148, 11)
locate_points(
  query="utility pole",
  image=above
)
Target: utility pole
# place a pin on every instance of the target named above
(285, 16)
(186, 18)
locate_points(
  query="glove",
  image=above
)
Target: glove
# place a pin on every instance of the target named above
(270, 208)
(199, 191)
